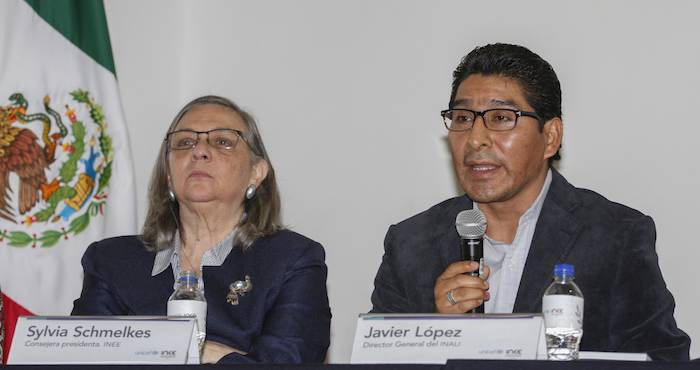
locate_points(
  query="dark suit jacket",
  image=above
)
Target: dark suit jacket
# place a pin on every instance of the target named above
(627, 307)
(285, 318)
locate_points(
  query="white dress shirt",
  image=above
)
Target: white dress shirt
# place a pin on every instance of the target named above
(507, 261)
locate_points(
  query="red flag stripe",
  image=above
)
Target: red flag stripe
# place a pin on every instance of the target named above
(13, 311)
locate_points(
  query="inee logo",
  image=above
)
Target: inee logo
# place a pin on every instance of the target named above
(167, 354)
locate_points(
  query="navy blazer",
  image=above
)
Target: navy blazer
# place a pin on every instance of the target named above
(627, 307)
(285, 318)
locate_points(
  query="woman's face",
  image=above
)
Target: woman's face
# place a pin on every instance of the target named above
(206, 174)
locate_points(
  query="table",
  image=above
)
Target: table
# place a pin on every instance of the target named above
(451, 365)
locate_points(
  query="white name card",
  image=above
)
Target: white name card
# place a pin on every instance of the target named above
(434, 338)
(104, 340)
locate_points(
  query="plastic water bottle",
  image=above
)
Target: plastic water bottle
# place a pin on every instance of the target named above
(562, 307)
(188, 300)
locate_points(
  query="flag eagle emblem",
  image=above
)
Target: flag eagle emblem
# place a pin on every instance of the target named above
(61, 158)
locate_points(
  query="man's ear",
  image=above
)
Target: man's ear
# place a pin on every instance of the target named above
(553, 131)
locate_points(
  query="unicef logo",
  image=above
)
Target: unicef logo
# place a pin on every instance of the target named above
(55, 167)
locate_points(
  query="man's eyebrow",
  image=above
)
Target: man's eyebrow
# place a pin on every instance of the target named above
(493, 102)
(503, 103)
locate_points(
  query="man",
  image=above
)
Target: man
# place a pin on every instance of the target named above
(505, 129)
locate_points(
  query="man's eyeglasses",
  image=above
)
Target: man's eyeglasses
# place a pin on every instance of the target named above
(494, 119)
(224, 139)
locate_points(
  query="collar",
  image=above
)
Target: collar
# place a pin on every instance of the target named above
(534, 211)
(212, 257)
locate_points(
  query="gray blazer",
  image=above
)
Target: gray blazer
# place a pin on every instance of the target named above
(627, 307)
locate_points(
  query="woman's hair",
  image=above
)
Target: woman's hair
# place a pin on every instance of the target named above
(262, 212)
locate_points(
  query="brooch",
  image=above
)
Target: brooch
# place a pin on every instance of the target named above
(238, 288)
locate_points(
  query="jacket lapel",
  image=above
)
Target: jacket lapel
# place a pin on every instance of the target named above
(555, 233)
(159, 289)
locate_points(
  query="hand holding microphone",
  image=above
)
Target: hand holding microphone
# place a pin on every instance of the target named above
(462, 287)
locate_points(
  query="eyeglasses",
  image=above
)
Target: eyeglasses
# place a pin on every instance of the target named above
(494, 119)
(224, 139)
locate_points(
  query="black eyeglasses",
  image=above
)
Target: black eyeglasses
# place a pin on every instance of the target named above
(224, 139)
(494, 119)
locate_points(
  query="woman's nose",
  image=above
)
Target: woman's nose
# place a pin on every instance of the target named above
(202, 149)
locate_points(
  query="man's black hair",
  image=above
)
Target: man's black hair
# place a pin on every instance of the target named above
(535, 76)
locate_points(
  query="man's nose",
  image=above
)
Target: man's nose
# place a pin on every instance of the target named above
(479, 135)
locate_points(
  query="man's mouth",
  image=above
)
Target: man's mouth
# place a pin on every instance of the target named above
(483, 167)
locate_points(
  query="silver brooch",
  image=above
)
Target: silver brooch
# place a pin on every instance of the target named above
(238, 288)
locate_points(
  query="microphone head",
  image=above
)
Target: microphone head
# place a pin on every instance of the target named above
(471, 223)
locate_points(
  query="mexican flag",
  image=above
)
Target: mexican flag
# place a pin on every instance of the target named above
(66, 176)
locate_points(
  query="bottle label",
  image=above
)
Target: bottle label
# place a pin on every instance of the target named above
(562, 311)
(190, 308)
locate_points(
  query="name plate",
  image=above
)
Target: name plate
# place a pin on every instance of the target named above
(435, 338)
(104, 340)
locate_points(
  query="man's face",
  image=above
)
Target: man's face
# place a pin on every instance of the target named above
(501, 166)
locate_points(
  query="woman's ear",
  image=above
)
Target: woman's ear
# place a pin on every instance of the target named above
(260, 169)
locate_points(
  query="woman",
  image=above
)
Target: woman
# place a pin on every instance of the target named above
(214, 209)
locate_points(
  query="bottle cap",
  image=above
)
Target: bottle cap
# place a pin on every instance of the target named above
(564, 269)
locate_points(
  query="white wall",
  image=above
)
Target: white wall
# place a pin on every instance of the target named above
(348, 93)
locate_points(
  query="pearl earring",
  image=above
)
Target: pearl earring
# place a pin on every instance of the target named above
(250, 191)
(171, 195)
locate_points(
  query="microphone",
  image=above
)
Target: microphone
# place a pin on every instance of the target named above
(471, 227)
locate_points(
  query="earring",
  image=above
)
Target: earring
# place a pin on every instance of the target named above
(171, 195)
(250, 191)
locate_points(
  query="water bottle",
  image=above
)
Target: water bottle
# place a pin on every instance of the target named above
(562, 307)
(188, 300)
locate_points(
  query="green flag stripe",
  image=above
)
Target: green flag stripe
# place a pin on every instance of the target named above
(83, 22)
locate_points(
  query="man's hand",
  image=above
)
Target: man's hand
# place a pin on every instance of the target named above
(214, 351)
(468, 292)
